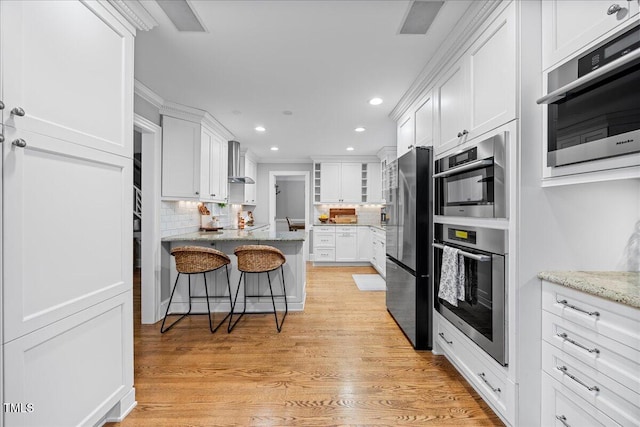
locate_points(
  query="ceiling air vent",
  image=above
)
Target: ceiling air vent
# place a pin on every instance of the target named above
(182, 15)
(420, 16)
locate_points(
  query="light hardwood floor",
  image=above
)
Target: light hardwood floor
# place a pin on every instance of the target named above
(343, 361)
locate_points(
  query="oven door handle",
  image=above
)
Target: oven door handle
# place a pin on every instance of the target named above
(481, 258)
(466, 167)
(585, 80)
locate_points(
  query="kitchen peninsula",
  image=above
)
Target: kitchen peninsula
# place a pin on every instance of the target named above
(290, 243)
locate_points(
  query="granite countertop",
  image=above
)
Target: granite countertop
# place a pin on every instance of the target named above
(618, 286)
(262, 234)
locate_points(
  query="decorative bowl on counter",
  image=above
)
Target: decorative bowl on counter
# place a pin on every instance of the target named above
(323, 220)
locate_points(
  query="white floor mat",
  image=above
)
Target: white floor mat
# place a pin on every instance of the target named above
(370, 282)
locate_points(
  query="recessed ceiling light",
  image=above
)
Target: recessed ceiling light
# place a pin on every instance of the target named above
(274, 148)
(360, 129)
(260, 128)
(375, 101)
(349, 148)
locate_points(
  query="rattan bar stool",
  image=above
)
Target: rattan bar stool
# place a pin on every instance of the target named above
(195, 260)
(259, 259)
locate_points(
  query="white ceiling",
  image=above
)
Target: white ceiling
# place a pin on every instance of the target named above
(321, 60)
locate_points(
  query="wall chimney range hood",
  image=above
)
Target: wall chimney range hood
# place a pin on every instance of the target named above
(235, 175)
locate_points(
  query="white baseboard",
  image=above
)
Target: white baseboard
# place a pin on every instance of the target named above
(121, 409)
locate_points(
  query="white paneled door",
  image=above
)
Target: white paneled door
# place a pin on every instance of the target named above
(67, 232)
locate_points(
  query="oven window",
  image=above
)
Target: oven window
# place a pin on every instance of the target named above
(469, 188)
(476, 309)
(610, 108)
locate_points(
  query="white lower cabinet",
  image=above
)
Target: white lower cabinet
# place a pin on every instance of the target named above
(350, 244)
(379, 256)
(324, 243)
(485, 375)
(346, 244)
(590, 357)
(365, 248)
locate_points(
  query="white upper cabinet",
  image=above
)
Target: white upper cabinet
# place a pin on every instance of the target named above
(340, 182)
(193, 161)
(181, 155)
(245, 194)
(569, 26)
(453, 105)
(251, 171)
(406, 135)
(424, 122)
(372, 188)
(478, 93)
(73, 82)
(492, 75)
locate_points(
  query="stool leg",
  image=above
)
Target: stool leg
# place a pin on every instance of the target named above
(284, 292)
(273, 301)
(235, 300)
(162, 329)
(228, 314)
(206, 293)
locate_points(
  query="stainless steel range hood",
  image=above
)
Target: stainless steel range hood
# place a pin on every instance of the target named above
(235, 173)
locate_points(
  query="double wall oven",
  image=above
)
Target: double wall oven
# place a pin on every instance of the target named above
(482, 314)
(470, 182)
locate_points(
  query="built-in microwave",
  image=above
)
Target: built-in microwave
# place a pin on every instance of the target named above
(471, 181)
(594, 107)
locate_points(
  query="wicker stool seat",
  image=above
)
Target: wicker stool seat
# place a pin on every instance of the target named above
(259, 259)
(197, 260)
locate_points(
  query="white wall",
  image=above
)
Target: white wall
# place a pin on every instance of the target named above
(290, 199)
(146, 109)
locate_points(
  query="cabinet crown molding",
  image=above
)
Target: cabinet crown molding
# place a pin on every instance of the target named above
(195, 115)
(456, 43)
(346, 159)
(135, 13)
(147, 94)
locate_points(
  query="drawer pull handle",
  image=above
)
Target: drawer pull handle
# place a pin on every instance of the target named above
(445, 340)
(577, 344)
(563, 420)
(581, 310)
(565, 370)
(484, 378)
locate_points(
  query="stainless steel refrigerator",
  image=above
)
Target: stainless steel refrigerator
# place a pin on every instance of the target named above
(409, 197)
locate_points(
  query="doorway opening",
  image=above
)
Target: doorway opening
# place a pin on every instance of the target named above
(289, 198)
(147, 212)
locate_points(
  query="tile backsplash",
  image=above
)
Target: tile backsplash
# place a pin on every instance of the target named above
(178, 218)
(183, 217)
(367, 214)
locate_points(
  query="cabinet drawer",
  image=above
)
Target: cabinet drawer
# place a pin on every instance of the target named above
(605, 394)
(494, 386)
(324, 254)
(346, 230)
(614, 359)
(613, 320)
(324, 240)
(562, 407)
(324, 229)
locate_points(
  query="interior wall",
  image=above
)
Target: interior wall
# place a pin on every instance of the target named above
(593, 224)
(290, 199)
(146, 109)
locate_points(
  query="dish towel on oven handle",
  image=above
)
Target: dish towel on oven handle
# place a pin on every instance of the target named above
(452, 276)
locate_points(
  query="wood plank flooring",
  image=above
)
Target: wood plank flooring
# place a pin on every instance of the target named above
(343, 361)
